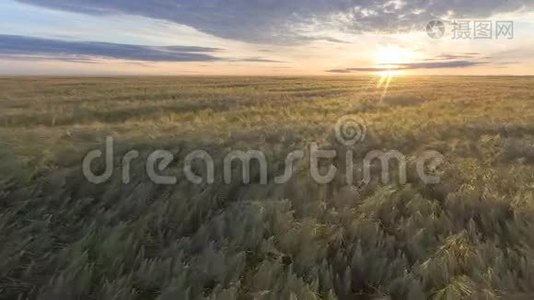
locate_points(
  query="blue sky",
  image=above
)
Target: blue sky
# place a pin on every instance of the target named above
(256, 37)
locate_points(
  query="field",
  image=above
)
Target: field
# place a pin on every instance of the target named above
(470, 236)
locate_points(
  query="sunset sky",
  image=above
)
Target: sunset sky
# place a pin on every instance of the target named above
(262, 37)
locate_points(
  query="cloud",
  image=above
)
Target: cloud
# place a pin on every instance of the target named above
(466, 55)
(283, 21)
(33, 57)
(440, 65)
(32, 47)
(441, 61)
(258, 60)
(414, 66)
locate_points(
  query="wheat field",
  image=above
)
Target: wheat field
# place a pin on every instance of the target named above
(470, 236)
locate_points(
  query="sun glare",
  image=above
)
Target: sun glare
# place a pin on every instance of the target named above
(388, 61)
(389, 73)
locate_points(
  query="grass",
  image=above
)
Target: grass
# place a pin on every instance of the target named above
(469, 237)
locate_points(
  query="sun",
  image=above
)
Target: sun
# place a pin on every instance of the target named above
(389, 61)
(391, 58)
(392, 55)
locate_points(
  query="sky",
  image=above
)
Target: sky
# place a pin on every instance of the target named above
(266, 37)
